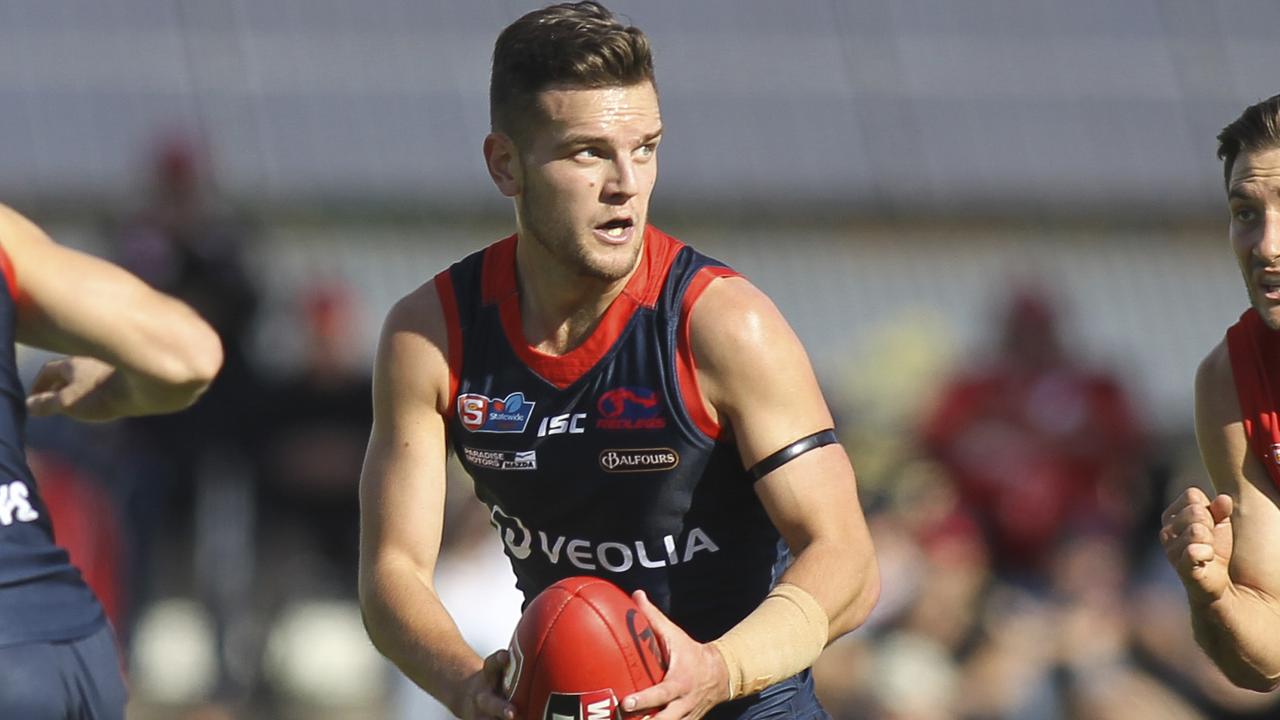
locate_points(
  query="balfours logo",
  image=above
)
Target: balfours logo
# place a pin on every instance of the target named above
(639, 460)
(481, 413)
(630, 408)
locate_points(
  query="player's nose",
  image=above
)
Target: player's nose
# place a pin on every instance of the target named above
(1268, 247)
(622, 184)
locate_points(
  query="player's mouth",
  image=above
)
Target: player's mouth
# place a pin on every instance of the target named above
(616, 232)
(1269, 286)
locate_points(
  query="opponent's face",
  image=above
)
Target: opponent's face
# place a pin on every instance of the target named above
(1253, 195)
(583, 175)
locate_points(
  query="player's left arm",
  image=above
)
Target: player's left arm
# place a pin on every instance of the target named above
(756, 380)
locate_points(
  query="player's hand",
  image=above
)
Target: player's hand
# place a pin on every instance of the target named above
(1197, 540)
(696, 681)
(79, 387)
(481, 694)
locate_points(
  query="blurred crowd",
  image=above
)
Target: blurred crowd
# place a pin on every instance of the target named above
(1014, 515)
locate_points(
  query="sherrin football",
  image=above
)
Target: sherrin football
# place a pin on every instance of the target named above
(580, 647)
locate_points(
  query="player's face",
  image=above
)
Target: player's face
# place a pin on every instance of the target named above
(587, 169)
(1253, 196)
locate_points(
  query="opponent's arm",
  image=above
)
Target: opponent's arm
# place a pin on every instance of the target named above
(402, 488)
(1224, 549)
(135, 351)
(756, 379)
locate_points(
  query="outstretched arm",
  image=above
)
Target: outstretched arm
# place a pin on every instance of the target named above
(135, 351)
(756, 379)
(1224, 548)
(402, 489)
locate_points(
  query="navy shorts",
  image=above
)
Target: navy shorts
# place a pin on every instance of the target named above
(792, 699)
(72, 680)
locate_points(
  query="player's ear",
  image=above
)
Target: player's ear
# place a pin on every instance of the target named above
(503, 161)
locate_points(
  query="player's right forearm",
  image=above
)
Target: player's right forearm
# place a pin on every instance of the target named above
(1238, 632)
(407, 623)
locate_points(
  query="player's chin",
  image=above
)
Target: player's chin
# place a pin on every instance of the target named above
(1269, 310)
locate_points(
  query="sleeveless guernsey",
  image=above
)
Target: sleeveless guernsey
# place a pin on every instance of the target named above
(42, 596)
(603, 461)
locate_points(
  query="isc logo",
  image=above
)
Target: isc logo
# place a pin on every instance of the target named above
(570, 423)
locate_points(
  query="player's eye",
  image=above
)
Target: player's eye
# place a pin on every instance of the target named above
(589, 153)
(1244, 215)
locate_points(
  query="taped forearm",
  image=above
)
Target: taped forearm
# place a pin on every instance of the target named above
(777, 640)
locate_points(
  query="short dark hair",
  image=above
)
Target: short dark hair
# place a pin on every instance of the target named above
(571, 45)
(1258, 127)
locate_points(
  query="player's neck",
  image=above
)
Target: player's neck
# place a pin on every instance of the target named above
(559, 308)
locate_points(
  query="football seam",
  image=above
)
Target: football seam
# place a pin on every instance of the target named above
(622, 647)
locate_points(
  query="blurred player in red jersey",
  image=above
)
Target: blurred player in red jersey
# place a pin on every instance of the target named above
(1224, 548)
(628, 408)
(131, 351)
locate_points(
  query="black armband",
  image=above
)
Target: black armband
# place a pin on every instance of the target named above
(791, 452)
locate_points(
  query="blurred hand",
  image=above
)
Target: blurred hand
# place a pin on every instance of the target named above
(79, 387)
(696, 681)
(481, 697)
(1197, 540)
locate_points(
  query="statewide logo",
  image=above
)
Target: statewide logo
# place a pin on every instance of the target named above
(594, 705)
(14, 505)
(501, 459)
(480, 413)
(595, 555)
(630, 408)
(639, 460)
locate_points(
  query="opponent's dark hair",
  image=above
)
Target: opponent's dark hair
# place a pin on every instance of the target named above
(569, 45)
(1257, 128)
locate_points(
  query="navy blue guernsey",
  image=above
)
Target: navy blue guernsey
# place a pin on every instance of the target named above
(603, 461)
(42, 596)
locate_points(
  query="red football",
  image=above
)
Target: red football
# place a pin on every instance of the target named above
(581, 646)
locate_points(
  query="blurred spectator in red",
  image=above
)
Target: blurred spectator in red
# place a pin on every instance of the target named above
(318, 426)
(1037, 444)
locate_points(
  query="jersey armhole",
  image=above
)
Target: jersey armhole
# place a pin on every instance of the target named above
(686, 365)
(453, 325)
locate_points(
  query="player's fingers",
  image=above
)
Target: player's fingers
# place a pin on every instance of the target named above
(658, 619)
(657, 696)
(496, 664)
(44, 404)
(1195, 496)
(1198, 554)
(489, 705)
(1189, 516)
(53, 374)
(1221, 507)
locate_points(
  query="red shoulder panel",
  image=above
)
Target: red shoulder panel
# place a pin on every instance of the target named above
(686, 366)
(1253, 348)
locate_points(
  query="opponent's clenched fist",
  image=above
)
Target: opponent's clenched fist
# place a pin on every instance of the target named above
(1196, 536)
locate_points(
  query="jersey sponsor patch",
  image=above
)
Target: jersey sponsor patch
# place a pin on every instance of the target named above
(14, 504)
(501, 459)
(639, 460)
(594, 555)
(594, 705)
(481, 413)
(630, 408)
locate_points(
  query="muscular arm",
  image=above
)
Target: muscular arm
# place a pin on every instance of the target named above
(756, 379)
(402, 489)
(161, 354)
(1238, 622)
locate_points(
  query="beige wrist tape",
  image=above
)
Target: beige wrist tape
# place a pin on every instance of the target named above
(777, 640)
